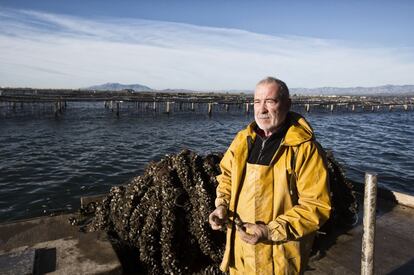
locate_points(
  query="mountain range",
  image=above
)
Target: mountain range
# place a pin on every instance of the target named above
(120, 87)
(377, 90)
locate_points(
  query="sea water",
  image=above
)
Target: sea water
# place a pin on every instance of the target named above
(47, 163)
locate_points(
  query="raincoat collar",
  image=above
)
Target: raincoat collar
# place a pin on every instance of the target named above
(299, 131)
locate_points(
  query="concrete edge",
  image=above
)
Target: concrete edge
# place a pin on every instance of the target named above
(386, 194)
(404, 199)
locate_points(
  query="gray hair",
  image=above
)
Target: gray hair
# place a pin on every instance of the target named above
(282, 87)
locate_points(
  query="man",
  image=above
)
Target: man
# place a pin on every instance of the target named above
(273, 190)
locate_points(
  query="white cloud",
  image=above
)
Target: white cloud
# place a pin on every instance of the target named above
(49, 50)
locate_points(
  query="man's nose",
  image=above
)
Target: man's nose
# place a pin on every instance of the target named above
(262, 107)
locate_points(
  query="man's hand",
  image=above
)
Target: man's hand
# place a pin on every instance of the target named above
(258, 232)
(218, 217)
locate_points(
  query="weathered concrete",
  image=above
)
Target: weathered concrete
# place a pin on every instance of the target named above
(60, 248)
(394, 245)
(19, 262)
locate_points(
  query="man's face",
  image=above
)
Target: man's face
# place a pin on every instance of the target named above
(269, 110)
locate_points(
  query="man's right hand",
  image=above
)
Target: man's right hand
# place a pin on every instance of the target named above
(218, 217)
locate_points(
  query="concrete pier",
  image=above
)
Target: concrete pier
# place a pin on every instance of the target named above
(52, 245)
(394, 239)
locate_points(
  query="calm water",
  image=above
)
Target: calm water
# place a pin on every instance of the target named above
(47, 164)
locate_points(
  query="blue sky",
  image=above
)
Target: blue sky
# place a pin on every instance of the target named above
(205, 45)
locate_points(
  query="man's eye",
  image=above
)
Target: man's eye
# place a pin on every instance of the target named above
(270, 101)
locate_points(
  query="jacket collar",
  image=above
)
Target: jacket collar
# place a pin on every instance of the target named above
(299, 131)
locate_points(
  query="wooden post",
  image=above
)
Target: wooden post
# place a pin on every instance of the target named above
(307, 107)
(390, 108)
(368, 237)
(167, 108)
(353, 107)
(247, 108)
(117, 108)
(55, 109)
(210, 109)
(332, 108)
(192, 106)
(154, 106)
(405, 107)
(227, 107)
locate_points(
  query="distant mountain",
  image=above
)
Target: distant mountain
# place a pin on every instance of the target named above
(119, 87)
(396, 90)
(378, 90)
(385, 90)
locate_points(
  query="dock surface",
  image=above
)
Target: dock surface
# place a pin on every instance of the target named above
(394, 244)
(51, 245)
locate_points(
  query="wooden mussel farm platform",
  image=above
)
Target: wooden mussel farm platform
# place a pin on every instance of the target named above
(13, 101)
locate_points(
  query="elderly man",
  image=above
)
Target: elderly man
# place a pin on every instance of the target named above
(273, 190)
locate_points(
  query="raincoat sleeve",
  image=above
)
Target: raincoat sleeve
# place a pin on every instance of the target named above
(223, 190)
(313, 205)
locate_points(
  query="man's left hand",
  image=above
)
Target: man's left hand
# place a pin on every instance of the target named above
(258, 232)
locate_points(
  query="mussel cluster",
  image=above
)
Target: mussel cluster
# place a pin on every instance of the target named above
(164, 214)
(344, 204)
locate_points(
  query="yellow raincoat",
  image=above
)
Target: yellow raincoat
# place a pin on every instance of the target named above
(293, 204)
